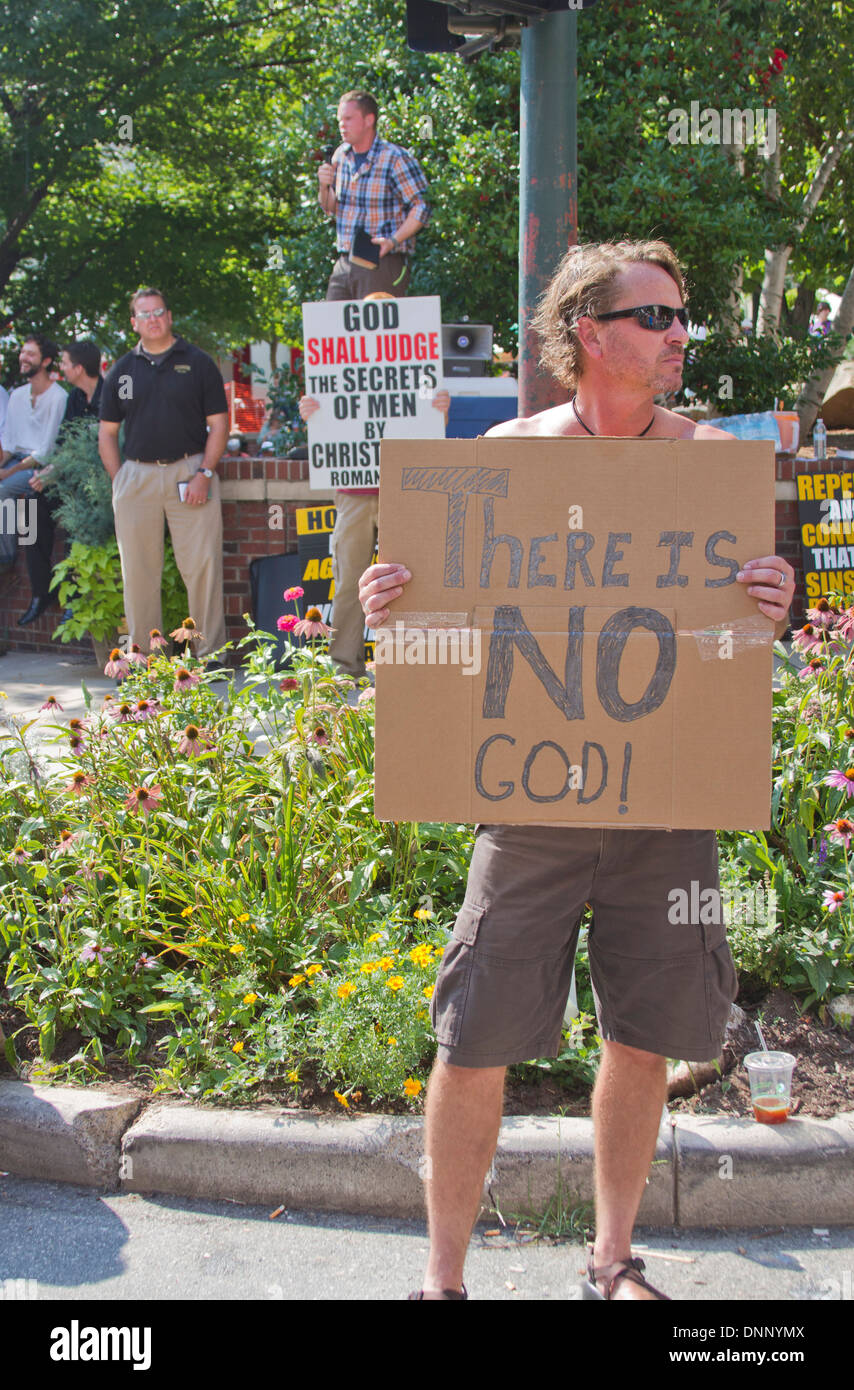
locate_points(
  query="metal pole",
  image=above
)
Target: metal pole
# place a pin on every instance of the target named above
(548, 203)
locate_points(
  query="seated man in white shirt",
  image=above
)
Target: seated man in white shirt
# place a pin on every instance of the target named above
(29, 433)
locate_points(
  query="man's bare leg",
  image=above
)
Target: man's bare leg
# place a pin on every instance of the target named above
(463, 1116)
(627, 1102)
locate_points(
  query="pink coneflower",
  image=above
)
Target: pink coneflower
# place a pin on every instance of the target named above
(118, 665)
(832, 901)
(312, 625)
(123, 711)
(840, 830)
(289, 683)
(812, 668)
(319, 735)
(845, 625)
(145, 963)
(78, 784)
(86, 871)
(95, 951)
(823, 615)
(184, 678)
(807, 639)
(50, 703)
(287, 622)
(67, 841)
(67, 899)
(78, 726)
(366, 696)
(20, 855)
(136, 656)
(156, 639)
(144, 709)
(187, 632)
(294, 593)
(77, 744)
(843, 781)
(195, 741)
(144, 799)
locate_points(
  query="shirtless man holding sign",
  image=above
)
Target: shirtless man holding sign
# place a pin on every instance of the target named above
(612, 325)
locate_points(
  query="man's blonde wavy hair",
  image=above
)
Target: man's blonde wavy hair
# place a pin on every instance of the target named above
(583, 284)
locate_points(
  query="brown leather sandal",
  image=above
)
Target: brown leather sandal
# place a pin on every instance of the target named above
(446, 1293)
(625, 1269)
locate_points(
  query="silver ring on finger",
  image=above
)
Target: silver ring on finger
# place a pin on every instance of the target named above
(782, 580)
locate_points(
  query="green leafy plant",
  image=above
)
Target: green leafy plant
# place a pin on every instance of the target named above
(758, 370)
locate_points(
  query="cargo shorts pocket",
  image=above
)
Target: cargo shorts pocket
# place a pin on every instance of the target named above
(448, 1000)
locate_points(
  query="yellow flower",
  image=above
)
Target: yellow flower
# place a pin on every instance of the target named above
(395, 982)
(369, 967)
(201, 941)
(392, 1042)
(244, 918)
(237, 949)
(249, 998)
(238, 1047)
(421, 955)
(423, 914)
(344, 990)
(293, 1076)
(188, 910)
(422, 1013)
(428, 991)
(342, 1100)
(313, 969)
(296, 980)
(412, 1087)
(377, 936)
(386, 963)
(3, 695)
(439, 951)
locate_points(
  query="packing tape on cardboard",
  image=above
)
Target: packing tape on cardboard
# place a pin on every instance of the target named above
(425, 620)
(726, 639)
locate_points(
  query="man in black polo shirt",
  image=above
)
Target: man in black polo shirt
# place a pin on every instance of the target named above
(171, 398)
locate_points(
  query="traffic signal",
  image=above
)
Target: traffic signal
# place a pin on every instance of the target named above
(437, 26)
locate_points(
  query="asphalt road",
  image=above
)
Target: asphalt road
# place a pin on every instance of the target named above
(67, 1243)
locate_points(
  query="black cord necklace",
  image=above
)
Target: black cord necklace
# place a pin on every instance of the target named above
(593, 432)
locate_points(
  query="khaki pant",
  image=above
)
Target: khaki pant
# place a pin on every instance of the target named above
(143, 495)
(352, 549)
(349, 281)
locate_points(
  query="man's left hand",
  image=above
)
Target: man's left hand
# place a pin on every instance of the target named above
(771, 582)
(385, 244)
(198, 490)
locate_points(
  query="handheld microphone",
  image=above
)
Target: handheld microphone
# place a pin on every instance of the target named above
(328, 152)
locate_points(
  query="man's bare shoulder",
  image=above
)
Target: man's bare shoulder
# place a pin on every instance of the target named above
(546, 423)
(674, 426)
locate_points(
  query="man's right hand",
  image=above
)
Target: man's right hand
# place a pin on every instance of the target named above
(326, 175)
(378, 586)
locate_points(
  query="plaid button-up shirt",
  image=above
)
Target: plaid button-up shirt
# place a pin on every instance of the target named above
(379, 196)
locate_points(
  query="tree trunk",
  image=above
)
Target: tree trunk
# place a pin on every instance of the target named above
(809, 402)
(777, 258)
(797, 321)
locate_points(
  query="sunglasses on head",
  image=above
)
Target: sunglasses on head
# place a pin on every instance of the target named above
(656, 317)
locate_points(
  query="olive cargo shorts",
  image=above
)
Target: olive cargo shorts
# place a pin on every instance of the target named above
(661, 985)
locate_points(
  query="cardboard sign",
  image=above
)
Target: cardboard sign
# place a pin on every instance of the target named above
(374, 366)
(826, 517)
(573, 647)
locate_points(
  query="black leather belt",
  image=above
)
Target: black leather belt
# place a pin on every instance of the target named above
(161, 463)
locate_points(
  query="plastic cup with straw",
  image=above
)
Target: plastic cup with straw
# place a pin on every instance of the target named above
(770, 1076)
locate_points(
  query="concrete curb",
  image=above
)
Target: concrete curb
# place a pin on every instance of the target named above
(707, 1171)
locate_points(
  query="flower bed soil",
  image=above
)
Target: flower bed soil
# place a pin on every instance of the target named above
(823, 1083)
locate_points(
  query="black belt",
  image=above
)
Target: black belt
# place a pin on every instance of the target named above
(161, 463)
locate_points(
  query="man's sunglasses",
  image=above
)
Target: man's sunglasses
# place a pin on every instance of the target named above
(656, 317)
(149, 313)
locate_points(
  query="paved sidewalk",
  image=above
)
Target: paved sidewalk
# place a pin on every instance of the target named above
(74, 1244)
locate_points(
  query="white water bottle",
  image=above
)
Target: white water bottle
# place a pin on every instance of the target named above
(819, 440)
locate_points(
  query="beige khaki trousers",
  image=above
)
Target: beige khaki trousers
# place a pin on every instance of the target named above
(143, 495)
(352, 548)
